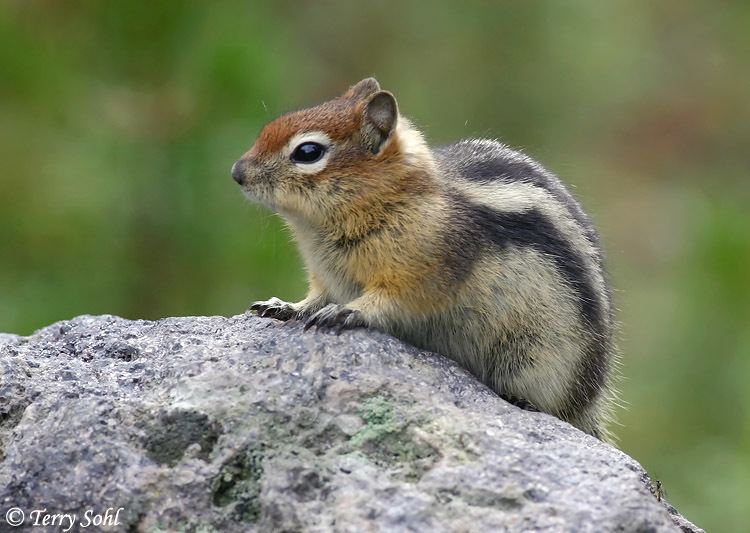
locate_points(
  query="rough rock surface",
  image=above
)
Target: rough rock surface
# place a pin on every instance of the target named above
(242, 424)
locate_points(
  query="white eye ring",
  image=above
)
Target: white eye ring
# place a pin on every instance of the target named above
(310, 137)
(308, 153)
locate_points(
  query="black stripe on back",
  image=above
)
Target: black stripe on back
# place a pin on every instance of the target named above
(533, 229)
(500, 163)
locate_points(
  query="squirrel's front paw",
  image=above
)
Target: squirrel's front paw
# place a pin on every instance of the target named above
(338, 317)
(274, 308)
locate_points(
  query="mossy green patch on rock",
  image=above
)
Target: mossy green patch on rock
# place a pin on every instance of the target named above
(378, 416)
(238, 483)
(390, 440)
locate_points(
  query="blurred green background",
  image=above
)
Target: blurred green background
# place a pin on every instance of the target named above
(119, 122)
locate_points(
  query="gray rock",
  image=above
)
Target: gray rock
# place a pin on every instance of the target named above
(244, 424)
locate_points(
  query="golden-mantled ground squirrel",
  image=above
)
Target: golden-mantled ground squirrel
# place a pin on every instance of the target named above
(472, 250)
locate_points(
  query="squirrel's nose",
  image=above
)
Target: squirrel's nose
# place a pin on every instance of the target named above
(238, 172)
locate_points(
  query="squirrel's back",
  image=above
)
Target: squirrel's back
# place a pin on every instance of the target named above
(508, 207)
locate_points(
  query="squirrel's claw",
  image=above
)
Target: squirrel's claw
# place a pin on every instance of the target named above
(274, 308)
(336, 316)
(521, 403)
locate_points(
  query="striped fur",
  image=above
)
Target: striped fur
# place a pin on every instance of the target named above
(472, 250)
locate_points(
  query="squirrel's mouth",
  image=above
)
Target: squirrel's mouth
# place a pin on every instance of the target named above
(260, 192)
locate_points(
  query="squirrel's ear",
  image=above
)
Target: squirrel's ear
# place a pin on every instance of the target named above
(364, 88)
(380, 117)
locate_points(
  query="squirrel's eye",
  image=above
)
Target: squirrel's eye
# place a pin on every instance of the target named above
(308, 152)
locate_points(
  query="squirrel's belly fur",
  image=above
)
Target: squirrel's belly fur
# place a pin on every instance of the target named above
(472, 250)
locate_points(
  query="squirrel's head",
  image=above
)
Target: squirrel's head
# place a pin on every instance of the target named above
(339, 155)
